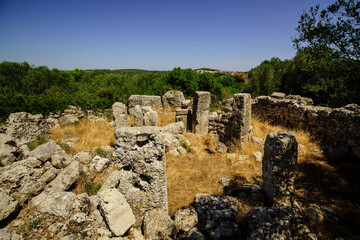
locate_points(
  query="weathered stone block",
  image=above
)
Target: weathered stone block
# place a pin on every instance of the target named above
(241, 119)
(140, 155)
(200, 116)
(173, 99)
(278, 170)
(144, 100)
(121, 118)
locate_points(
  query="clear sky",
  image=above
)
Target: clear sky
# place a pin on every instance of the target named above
(231, 35)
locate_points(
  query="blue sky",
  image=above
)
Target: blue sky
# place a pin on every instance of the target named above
(152, 34)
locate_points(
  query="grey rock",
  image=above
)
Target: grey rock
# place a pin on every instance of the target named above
(140, 156)
(200, 113)
(158, 225)
(280, 159)
(185, 104)
(25, 127)
(144, 100)
(194, 234)
(7, 234)
(241, 119)
(224, 181)
(258, 156)
(175, 128)
(83, 157)
(60, 159)
(138, 116)
(150, 118)
(68, 119)
(67, 177)
(8, 205)
(98, 164)
(49, 175)
(116, 211)
(185, 219)
(112, 181)
(45, 151)
(173, 99)
(54, 201)
(121, 118)
(221, 148)
(217, 215)
(8, 148)
(258, 140)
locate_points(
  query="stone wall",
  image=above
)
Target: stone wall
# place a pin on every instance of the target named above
(337, 129)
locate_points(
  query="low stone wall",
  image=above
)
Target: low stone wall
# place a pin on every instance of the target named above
(337, 129)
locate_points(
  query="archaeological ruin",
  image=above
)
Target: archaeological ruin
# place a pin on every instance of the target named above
(38, 200)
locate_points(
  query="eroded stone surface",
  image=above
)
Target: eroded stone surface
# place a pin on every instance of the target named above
(278, 170)
(157, 225)
(8, 205)
(200, 113)
(121, 118)
(173, 99)
(241, 119)
(116, 211)
(140, 155)
(67, 177)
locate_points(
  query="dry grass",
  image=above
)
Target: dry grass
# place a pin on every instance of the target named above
(200, 172)
(165, 116)
(91, 134)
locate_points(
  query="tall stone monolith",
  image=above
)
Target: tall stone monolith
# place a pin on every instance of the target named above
(140, 156)
(120, 114)
(278, 169)
(241, 119)
(200, 117)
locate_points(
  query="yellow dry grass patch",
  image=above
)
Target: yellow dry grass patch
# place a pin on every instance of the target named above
(190, 174)
(91, 134)
(165, 116)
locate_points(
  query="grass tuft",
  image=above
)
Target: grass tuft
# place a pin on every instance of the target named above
(38, 141)
(101, 152)
(66, 147)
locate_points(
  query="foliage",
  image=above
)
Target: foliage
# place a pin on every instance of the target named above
(337, 27)
(101, 152)
(37, 142)
(91, 187)
(66, 147)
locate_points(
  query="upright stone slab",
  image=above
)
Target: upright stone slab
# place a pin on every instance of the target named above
(150, 118)
(185, 116)
(241, 121)
(200, 117)
(140, 156)
(138, 116)
(278, 169)
(121, 118)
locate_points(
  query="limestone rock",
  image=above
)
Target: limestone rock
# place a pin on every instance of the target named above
(138, 116)
(140, 156)
(112, 181)
(67, 177)
(6, 234)
(200, 113)
(280, 159)
(175, 128)
(258, 156)
(68, 119)
(150, 118)
(99, 163)
(173, 99)
(121, 118)
(144, 100)
(25, 127)
(241, 119)
(83, 157)
(217, 215)
(185, 219)
(194, 234)
(116, 211)
(45, 151)
(158, 225)
(54, 201)
(8, 148)
(60, 159)
(8, 205)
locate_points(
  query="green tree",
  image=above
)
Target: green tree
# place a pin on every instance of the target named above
(337, 27)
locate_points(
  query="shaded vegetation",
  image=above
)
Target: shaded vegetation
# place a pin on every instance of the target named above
(37, 142)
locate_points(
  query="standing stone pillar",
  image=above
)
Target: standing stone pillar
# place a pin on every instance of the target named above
(200, 117)
(278, 169)
(138, 116)
(241, 122)
(120, 114)
(140, 156)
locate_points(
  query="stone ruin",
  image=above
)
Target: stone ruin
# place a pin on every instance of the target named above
(39, 183)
